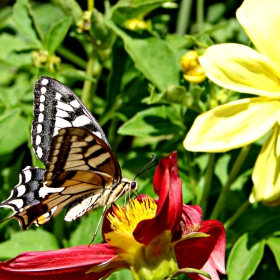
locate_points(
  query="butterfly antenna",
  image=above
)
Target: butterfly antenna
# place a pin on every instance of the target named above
(146, 168)
(6, 219)
(98, 224)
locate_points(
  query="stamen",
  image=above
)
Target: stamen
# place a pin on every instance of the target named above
(125, 219)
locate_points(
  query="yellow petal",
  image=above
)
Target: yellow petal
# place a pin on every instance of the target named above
(241, 69)
(232, 125)
(266, 171)
(261, 20)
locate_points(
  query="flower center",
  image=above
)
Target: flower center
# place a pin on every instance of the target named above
(125, 219)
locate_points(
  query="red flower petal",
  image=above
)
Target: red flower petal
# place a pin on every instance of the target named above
(191, 214)
(70, 263)
(205, 253)
(190, 221)
(168, 186)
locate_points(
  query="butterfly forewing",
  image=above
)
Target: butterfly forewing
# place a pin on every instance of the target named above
(56, 107)
(78, 149)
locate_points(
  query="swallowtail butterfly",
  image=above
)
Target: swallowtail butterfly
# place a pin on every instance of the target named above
(81, 171)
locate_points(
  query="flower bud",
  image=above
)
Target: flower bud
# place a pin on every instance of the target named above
(136, 24)
(193, 71)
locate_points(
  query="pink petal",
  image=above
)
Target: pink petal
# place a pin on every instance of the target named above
(218, 234)
(205, 253)
(192, 214)
(168, 186)
(190, 221)
(70, 263)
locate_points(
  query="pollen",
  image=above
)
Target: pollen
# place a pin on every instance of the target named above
(125, 219)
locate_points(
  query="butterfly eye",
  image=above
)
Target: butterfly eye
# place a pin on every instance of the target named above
(133, 186)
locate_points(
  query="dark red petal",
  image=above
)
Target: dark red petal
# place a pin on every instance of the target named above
(205, 253)
(168, 185)
(70, 263)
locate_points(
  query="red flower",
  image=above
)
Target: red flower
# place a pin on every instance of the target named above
(155, 239)
(71, 263)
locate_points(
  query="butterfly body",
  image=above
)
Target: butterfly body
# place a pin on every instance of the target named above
(81, 171)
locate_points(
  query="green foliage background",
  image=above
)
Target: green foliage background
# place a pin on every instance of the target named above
(132, 82)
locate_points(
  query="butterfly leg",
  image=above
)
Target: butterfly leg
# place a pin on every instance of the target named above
(100, 219)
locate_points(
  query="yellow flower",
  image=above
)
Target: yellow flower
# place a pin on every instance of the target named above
(136, 24)
(193, 72)
(241, 122)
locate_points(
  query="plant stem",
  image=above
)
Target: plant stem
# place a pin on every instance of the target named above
(183, 17)
(237, 214)
(93, 67)
(191, 171)
(208, 180)
(108, 115)
(90, 5)
(86, 93)
(232, 176)
(71, 56)
(200, 14)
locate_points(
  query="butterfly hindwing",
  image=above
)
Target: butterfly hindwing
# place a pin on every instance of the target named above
(26, 193)
(78, 187)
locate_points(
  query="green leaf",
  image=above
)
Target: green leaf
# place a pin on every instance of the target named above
(173, 94)
(260, 220)
(125, 10)
(215, 12)
(177, 42)
(244, 257)
(31, 240)
(57, 34)
(8, 173)
(177, 95)
(15, 43)
(189, 270)
(273, 243)
(6, 72)
(153, 122)
(19, 59)
(6, 120)
(221, 168)
(118, 72)
(120, 275)
(77, 75)
(99, 30)
(152, 56)
(71, 8)
(85, 231)
(43, 22)
(13, 131)
(23, 21)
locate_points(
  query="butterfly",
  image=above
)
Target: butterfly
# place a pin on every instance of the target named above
(81, 171)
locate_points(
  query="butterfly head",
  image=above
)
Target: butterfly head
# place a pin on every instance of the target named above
(129, 185)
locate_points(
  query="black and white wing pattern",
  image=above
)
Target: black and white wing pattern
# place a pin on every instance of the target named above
(81, 172)
(55, 107)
